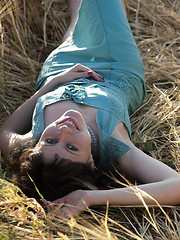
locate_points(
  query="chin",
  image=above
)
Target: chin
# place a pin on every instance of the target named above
(73, 112)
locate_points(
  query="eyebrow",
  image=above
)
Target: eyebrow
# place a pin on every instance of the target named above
(56, 157)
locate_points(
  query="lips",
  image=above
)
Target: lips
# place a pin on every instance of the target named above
(69, 122)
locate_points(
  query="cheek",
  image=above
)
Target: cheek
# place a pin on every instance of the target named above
(85, 140)
(50, 130)
(87, 146)
(47, 156)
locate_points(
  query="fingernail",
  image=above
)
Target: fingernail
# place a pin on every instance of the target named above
(43, 202)
(90, 73)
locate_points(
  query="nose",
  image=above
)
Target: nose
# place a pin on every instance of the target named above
(64, 132)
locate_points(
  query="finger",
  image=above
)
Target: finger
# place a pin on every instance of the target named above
(66, 215)
(97, 77)
(63, 215)
(45, 202)
(72, 211)
(63, 212)
(81, 68)
(85, 70)
(60, 200)
(88, 74)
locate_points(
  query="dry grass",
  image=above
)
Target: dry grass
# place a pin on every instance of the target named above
(29, 30)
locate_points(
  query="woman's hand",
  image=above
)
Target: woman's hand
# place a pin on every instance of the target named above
(78, 71)
(72, 204)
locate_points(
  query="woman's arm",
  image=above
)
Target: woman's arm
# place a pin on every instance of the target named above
(158, 180)
(74, 6)
(14, 132)
(160, 183)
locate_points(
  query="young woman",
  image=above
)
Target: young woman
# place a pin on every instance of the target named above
(86, 91)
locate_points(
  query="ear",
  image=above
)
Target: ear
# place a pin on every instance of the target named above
(91, 161)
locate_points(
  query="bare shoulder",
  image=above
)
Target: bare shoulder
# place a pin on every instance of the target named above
(137, 164)
(121, 133)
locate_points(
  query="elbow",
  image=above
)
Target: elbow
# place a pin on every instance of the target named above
(173, 195)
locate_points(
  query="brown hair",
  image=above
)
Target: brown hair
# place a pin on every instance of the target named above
(53, 180)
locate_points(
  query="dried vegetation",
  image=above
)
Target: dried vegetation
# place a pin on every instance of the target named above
(29, 30)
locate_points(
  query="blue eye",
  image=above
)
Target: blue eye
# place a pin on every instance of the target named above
(71, 147)
(51, 141)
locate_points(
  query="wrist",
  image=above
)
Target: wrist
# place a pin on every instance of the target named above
(95, 197)
(89, 197)
(49, 86)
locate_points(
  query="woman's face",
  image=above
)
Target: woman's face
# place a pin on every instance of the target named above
(67, 137)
